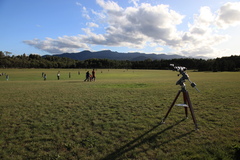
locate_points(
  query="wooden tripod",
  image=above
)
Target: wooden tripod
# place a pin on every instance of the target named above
(187, 104)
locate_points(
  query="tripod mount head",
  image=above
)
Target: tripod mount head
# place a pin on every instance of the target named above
(182, 71)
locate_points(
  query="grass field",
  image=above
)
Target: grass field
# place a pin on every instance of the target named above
(118, 116)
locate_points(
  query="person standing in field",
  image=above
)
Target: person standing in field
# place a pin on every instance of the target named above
(7, 77)
(45, 77)
(58, 75)
(93, 75)
(90, 77)
(69, 75)
(87, 76)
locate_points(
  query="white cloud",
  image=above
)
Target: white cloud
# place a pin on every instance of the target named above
(60, 45)
(135, 2)
(130, 27)
(202, 35)
(229, 15)
(135, 26)
(145, 25)
(101, 15)
(109, 6)
(85, 13)
(91, 24)
(156, 23)
(78, 4)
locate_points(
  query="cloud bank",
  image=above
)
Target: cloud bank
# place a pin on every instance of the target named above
(143, 25)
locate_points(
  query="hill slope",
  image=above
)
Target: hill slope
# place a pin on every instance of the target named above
(107, 54)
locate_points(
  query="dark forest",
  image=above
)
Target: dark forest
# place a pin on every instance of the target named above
(231, 63)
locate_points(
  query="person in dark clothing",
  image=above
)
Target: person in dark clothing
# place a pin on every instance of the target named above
(45, 77)
(87, 76)
(93, 75)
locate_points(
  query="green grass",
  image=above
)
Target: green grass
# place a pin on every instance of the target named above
(118, 116)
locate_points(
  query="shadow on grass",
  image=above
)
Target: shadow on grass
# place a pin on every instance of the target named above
(140, 140)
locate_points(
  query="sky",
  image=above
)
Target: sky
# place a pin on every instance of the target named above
(209, 28)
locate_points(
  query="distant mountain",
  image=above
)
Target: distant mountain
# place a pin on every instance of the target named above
(107, 54)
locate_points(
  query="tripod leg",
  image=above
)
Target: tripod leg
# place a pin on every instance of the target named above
(185, 102)
(191, 110)
(163, 121)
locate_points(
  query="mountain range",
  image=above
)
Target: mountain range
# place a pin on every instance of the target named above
(108, 54)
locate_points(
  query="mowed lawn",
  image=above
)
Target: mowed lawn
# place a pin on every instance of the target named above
(118, 116)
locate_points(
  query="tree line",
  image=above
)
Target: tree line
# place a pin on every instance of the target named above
(231, 63)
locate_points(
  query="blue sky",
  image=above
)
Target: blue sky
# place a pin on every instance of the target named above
(191, 28)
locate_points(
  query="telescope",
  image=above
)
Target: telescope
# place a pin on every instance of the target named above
(187, 104)
(182, 71)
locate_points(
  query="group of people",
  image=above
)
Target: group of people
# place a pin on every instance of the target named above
(44, 75)
(90, 77)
